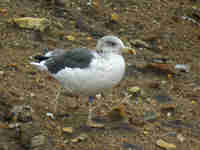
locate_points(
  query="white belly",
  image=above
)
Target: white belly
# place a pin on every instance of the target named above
(102, 74)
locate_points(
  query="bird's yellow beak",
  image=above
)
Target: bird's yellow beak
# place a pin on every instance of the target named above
(128, 50)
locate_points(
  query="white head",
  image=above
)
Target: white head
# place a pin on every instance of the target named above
(110, 44)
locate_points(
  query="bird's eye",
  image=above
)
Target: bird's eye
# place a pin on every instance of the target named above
(111, 43)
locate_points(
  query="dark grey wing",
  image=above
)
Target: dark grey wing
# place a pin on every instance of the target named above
(55, 52)
(49, 54)
(76, 58)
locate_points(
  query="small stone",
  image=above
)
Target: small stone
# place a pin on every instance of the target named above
(163, 98)
(129, 50)
(146, 132)
(161, 67)
(61, 2)
(169, 114)
(128, 146)
(3, 125)
(68, 130)
(134, 90)
(37, 141)
(70, 37)
(80, 138)
(1, 73)
(89, 3)
(150, 116)
(66, 141)
(89, 38)
(31, 23)
(32, 94)
(4, 11)
(160, 60)
(163, 82)
(98, 96)
(115, 17)
(193, 102)
(21, 98)
(14, 125)
(182, 67)
(165, 145)
(181, 138)
(118, 114)
(169, 109)
(140, 44)
(93, 124)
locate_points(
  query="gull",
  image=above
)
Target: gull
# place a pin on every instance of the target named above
(86, 72)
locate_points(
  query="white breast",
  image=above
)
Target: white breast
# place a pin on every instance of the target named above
(103, 73)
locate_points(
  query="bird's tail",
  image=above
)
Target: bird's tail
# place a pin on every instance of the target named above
(41, 60)
(40, 65)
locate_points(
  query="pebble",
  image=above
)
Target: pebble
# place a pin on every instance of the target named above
(32, 23)
(150, 116)
(128, 146)
(182, 67)
(37, 141)
(68, 130)
(169, 109)
(32, 94)
(70, 37)
(140, 44)
(162, 98)
(94, 124)
(80, 138)
(115, 17)
(161, 67)
(134, 90)
(118, 113)
(98, 96)
(160, 60)
(14, 125)
(61, 2)
(3, 125)
(89, 3)
(168, 146)
(1, 73)
(181, 138)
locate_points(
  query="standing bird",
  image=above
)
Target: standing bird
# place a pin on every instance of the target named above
(86, 72)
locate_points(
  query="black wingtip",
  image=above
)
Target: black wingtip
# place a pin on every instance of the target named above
(40, 57)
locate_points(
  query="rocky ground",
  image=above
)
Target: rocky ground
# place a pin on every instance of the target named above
(155, 107)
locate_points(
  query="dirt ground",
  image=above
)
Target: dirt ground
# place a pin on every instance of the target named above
(162, 101)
